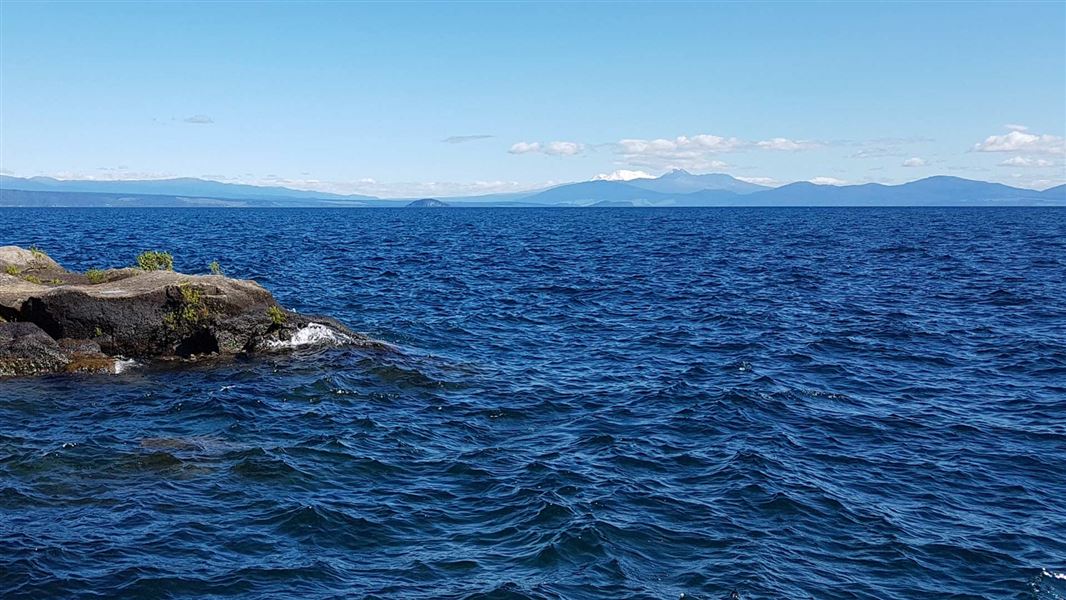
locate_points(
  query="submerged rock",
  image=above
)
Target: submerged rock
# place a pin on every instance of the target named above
(139, 314)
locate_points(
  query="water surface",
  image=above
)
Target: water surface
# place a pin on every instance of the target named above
(600, 403)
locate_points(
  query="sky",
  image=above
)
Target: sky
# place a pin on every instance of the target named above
(417, 99)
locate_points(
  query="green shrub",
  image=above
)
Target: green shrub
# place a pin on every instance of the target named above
(96, 276)
(37, 253)
(11, 270)
(191, 310)
(154, 260)
(216, 269)
(277, 316)
(32, 279)
(56, 281)
(190, 295)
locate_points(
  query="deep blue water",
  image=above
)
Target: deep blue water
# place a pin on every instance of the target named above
(613, 403)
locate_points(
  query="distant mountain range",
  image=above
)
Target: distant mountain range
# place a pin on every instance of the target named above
(184, 186)
(676, 188)
(723, 190)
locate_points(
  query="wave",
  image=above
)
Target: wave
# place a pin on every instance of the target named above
(125, 364)
(312, 334)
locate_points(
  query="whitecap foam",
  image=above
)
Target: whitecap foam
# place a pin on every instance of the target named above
(125, 364)
(312, 334)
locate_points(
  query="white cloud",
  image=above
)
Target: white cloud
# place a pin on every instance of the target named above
(767, 181)
(1023, 161)
(524, 147)
(1014, 127)
(787, 144)
(1020, 141)
(550, 148)
(680, 147)
(697, 152)
(199, 120)
(884, 147)
(827, 181)
(914, 162)
(461, 139)
(1043, 184)
(877, 152)
(622, 175)
(564, 148)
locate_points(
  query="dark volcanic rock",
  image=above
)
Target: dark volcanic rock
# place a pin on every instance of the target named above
(157, 313)
(138, 314)
(27, 350)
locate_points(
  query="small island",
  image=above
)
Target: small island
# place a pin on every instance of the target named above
(53, 320)
(428, 203)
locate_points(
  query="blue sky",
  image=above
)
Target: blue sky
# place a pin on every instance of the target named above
(443, 99)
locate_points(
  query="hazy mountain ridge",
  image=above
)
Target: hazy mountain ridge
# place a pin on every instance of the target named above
(680, 181)
(721, 190)
(36, 198)
(183, 186)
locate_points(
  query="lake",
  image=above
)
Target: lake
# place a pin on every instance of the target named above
(587, 403)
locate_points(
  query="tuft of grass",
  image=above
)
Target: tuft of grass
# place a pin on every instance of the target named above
(155, 260)
(32, 279)
(191, 310)
(277, 316)
(216, 269)
(190, 295)
(37, 253)
(98, 332)
(56, 281)
(12, 270)
(96, 276)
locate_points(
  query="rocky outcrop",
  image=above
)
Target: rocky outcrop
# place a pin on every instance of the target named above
(25, 260)
(25, 349)
(61, 321)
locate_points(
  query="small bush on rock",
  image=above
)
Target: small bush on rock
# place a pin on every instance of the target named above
(153, 260)
(11, 270)
(95, 276)
(277, 316)
(32, 279)
(191, 311)
(216, 269)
